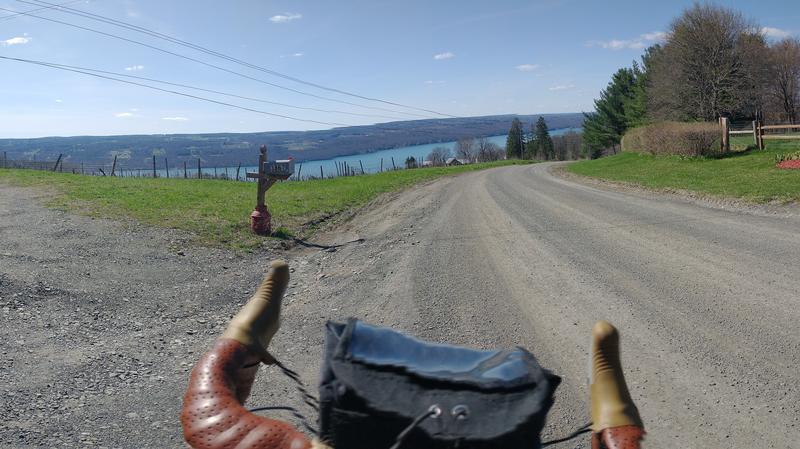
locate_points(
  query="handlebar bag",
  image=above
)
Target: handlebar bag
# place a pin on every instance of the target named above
(378, 383)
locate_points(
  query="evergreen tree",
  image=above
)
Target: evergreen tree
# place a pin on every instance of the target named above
(515, 140)
(604, 128)
(542, 141)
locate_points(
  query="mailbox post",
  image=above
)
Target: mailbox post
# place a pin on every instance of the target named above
(268, 174)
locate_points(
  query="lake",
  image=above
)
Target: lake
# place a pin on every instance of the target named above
(370, 161)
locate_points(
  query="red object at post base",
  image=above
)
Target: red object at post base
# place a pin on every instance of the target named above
(260, 221)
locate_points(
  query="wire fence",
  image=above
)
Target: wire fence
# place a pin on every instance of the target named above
(194, 170)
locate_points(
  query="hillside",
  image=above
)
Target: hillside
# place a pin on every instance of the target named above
(227, 149)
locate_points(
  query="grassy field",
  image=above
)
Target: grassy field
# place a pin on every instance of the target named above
(748, 173)
(217, 212)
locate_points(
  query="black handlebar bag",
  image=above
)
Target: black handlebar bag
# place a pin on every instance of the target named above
(381, 389)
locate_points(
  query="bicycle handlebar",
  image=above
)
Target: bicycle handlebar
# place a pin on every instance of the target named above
(616, 423)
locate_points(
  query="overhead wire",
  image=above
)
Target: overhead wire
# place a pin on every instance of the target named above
(59, 67)
(218, 92)
(50, 6)
(140, 29)
(189, 58)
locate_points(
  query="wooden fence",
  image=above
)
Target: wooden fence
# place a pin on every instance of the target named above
(759, 131)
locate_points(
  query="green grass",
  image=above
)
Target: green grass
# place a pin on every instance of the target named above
(218, 212)
(748, 174)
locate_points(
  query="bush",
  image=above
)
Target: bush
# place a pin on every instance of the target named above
(674, 138)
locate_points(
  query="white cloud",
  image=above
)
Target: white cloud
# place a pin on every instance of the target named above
(134, 68)
(19, 40)
(775, 33)
(58, 100)
(176, 119)
(434, 82)
(638, 43)
(445, 55)
(527, 67)
(283, 18)
(123, 114)
(562, 87)
(297, 55)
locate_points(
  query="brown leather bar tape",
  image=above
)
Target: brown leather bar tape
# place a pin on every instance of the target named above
(213, 416)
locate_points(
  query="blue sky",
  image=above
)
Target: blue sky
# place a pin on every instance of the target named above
(463, 58)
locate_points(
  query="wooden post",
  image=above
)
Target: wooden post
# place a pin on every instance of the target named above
(755, 134)
(5, 159)
(114, 166)
(393, 166)
(57, 162)
(262, 158)
(154, 166)
(726, 141)
(381, 165)
(226, 174)
(199, 172)
(338, 168)
(185, 173)
(82, 168)
(759, 135)
(362, 166)
(166, 167)
(321, 175)
(237, 170)
(299, 170)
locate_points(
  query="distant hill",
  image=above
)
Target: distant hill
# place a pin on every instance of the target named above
(229, 149)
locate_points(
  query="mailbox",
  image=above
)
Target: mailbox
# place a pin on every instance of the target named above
(281, 169)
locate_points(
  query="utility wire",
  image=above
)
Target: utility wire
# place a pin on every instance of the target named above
(163, 36)
(51, 6)
(227, 94)
(56, 66)
(189, 58)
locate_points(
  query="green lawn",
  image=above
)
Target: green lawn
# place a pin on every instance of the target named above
(217, 212)
(748, 174)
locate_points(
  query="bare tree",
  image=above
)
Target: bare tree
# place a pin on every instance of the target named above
(439, 155)
(488, 151)
(708, 67)
(785, 86)
(568, 146)
(467, 149)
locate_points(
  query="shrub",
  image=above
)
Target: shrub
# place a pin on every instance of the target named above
(674, 138)
(780, 157)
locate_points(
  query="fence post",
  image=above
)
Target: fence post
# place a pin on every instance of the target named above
(5, 159)
(299, 170)
(321, 174)
(759, 135)
(114, 166)
(394, 167)
(185, 173)
(381, 165)
(55, 167)
(237, 170)
(726, 141)
(362, 166)
(166, 166)
(154, 166)
(755, 135)
(199, 173)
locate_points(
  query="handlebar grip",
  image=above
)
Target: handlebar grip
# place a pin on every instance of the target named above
(615, 419)
(213, 416)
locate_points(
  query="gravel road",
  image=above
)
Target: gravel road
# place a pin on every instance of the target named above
(102, 321)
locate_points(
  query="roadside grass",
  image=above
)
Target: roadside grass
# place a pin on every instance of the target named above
(217, 212)
(745, 173)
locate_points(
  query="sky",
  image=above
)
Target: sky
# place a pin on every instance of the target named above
(457, 58)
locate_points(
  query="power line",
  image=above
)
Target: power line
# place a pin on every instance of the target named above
(189, 58)
(51, 6)
(163, 36)
(57, 66)
(227, 94)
